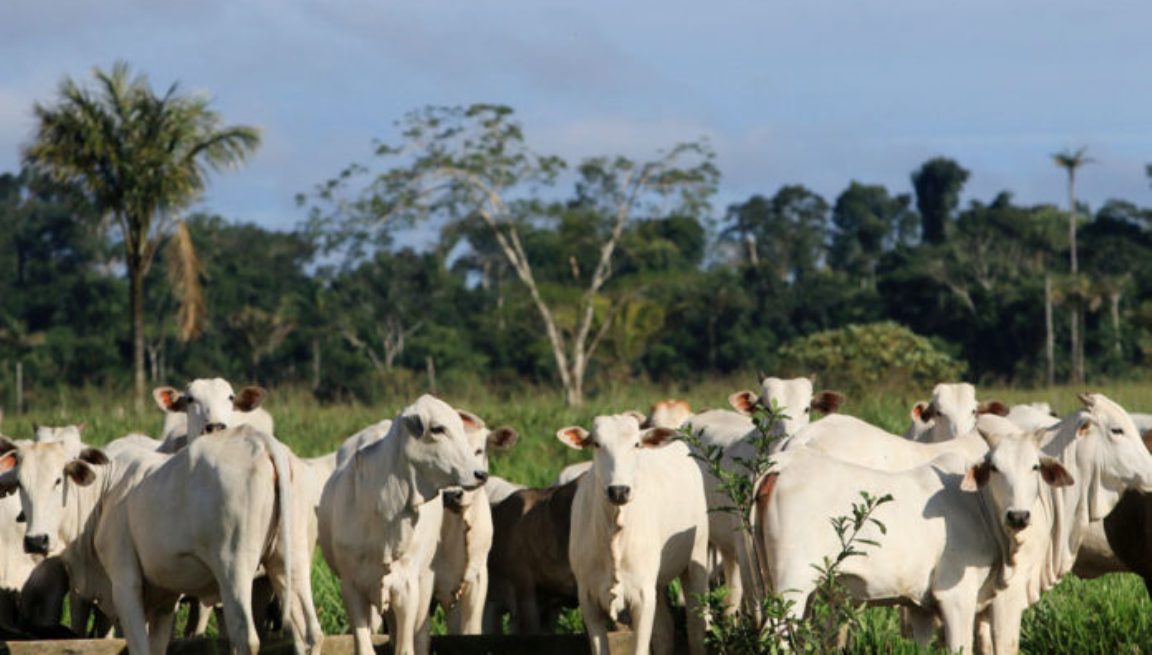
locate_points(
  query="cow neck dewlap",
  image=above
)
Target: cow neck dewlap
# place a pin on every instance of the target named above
(1006, 544)
(615, 515)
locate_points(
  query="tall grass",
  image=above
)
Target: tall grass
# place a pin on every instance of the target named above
(1108, 615)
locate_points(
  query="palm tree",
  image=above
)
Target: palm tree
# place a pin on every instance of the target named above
(1070, 160)
(140, 158)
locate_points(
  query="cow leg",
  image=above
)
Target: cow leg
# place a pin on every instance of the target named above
(303, 622)
(643, 618)
(359, 612)
(1007, 612)
(527, 611)
(198, 616)
(921, 623)
(423, 638)
(405, 609)
(127, 593)
(694, 582)
(236, 594)
(471, 603)
(79, 609)
(161, 621)
(595, 623)
(958, 611)
(663, 627)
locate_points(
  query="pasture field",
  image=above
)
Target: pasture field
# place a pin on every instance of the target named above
(1106, 615)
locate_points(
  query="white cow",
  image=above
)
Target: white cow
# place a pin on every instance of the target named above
(852, 440)
(734, 431)
(1099, 445)
(380, 517)
(498, 489)
(221, 499)
(1102, 449)
(461, 562)
(365, 437)
(953, 529)
(639, 520)
(1032, 416)
(952, 412)
(208, 405)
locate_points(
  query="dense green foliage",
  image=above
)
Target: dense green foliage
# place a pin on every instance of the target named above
(875, 355)
(346, 308)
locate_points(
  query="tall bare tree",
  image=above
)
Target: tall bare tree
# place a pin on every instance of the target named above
(463, 163)
(141, 158)
(1071, 161)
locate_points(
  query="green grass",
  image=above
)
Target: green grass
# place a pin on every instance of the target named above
(1111, 614)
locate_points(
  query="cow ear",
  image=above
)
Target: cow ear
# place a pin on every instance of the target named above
(249, 398)
(471, 421)
(743, 401)
(1084, 429)
(919, 413)
(414, 425)
(6, 445)
(574, 436)
(1054, 474)
(991, 438)
(502, 438)
(992, 407)
(9, 483)
(976, 476)
(1147, 437)
(80, 472)
(8, 461)
(827, 402)
(169, 399)
(81, 427)
(657, 437)
(93, 456)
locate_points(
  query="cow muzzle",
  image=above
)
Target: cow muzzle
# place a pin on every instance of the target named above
(1018, 519)
(619, 494)
(213, 427)
(453, 499)
(36, 544)
(481, 477)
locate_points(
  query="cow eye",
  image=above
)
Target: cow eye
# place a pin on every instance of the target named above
(993, 468)
(58, 481)
(1035, 467)
(479, 452)
(637, 444)
(807, 410)
(437, 429)
(232, 397)
(1117, 430)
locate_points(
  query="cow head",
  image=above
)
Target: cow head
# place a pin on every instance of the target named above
(1012, 472)
(1121, 457)
(210, 405)
(66, 433)
(669, 413)
(436, 444)
(44, 474)
(480, 439)
(951, 413)
(794, 397)
(618, 441)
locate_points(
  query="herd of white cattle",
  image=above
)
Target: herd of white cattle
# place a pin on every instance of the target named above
(991, 507)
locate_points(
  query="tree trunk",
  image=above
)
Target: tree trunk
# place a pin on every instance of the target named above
(1114, 297)
(136, 288)
(1074, 329)
(1049, 337)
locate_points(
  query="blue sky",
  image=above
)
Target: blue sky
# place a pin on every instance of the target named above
(817, 92)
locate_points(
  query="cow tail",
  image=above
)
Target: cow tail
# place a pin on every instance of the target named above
(283, 466)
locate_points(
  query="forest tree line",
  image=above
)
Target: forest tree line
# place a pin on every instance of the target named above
(575, 275)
